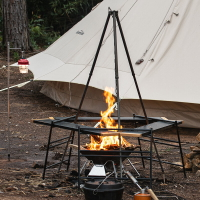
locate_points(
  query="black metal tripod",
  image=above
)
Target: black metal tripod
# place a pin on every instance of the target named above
(116, 21)
(114, 14)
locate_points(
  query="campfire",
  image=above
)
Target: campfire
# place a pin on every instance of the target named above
(107, 142)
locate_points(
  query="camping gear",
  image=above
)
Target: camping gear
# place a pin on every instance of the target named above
(109, 189)
(142, 195)
(97, 170)
(105, 189)
(66, 123)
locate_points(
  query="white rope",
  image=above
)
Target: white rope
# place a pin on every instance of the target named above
(18, 85)
(161, 27)
(70, 97)
(3, 67)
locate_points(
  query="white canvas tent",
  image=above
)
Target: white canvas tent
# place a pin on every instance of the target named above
(165, 33)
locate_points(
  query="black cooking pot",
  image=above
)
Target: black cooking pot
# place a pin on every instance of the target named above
(108, 190)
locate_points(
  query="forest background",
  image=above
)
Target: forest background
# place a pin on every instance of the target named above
(48, 19)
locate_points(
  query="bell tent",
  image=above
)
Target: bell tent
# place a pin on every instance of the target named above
(165, 34)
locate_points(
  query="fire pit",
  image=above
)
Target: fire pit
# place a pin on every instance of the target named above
(105, 147)
(101, 157)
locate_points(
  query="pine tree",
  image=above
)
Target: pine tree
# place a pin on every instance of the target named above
(15, 24)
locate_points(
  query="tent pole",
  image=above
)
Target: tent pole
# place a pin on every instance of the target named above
(8, 57)
(131, 67)
(114, 13)
(116, 66)
(93, 65)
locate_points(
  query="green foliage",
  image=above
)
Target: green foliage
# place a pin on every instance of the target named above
(16, 56)
(49, 19)
(61, 15)
(41, 36)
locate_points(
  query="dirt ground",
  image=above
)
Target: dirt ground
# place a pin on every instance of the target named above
(21, 177)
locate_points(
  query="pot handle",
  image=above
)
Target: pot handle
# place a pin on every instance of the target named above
(150, 191)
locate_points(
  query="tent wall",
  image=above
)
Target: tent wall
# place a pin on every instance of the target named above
(165, 33)
(70, 95)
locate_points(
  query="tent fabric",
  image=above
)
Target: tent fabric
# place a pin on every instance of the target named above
(94, 102)
(165, 33)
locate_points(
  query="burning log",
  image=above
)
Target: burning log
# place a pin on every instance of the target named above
(108, 141)
(95, 138)
(76, 146)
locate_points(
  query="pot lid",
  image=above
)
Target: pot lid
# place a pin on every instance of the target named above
(107, 185)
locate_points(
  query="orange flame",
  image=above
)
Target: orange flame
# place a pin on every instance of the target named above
(107, 142)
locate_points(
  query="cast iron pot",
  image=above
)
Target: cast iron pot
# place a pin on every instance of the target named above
(109, 190)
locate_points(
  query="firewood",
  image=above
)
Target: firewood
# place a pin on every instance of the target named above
(187, 162)
(196, 163)
(190, 155)
(114, 145)
(198, 173)
(106, 146)
(76, 146)
(196, 149)
(188, 165)
(176, 166)
(98, 146)
(96, 138)
(198, 137)
(192, 147)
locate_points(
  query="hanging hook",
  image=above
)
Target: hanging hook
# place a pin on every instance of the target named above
(109, 9)
(22, 54)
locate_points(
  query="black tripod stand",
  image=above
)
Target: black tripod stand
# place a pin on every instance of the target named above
(116, 22)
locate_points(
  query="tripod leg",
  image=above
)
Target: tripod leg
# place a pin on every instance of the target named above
(93, 65)
(131, 67)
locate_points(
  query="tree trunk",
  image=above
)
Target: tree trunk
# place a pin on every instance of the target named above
(15, 22)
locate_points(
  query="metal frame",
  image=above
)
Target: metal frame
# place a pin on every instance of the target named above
(150, 133)
(78, 128)
(8, 86)
(65, 140)
(156, 124)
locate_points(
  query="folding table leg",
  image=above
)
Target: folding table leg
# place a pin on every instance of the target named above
(66, 147)
(163, 172)
(141, 153)
(47, 151)
(179, 141)
(79, 162)
(70, 152)
(151, 158)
